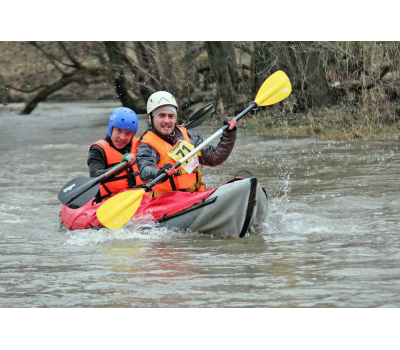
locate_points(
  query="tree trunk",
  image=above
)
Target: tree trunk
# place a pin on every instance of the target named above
(189, 67)
(222, 58)
(260, 64)
(318, 89)
(42, 95)
(147, 84)
(4, 95)
(117, 59)
(308, 76)
(166, 68)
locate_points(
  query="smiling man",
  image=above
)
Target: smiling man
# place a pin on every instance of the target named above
(165, 143)
(119, 145)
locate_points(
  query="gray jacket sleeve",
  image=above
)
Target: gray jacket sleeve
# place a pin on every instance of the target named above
(147, 159)
(213, 156)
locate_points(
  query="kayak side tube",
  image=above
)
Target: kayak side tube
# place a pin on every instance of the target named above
(233, 210)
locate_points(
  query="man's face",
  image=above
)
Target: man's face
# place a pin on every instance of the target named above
(120, 138)
(164, 122)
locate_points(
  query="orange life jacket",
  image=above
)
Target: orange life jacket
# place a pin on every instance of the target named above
(127, 178)
(182, 181)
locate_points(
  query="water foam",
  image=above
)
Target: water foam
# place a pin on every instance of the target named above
(140, 229)
(282, 220)
(61, 146)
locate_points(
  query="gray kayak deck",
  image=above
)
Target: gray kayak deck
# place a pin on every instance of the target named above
(233, 209)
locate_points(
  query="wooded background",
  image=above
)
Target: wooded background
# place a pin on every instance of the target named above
(362, 78)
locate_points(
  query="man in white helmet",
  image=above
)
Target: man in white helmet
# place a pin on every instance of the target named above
(165, 143)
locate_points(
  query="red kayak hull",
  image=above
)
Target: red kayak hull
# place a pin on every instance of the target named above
(167, 204)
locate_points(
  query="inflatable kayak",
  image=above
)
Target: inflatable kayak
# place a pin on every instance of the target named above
(234, 209)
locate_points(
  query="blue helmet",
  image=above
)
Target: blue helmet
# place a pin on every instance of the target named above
(123, 118)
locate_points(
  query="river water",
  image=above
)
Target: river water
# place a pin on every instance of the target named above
(331, 239)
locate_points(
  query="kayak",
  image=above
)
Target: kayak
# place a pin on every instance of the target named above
(236, 208)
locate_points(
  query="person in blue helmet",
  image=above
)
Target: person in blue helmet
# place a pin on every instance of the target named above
(119, 145)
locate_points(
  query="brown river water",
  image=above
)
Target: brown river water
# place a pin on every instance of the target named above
(331, 238)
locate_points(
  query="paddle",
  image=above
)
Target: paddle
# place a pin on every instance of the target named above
(81, 190)
(200, 116)
(118, 210)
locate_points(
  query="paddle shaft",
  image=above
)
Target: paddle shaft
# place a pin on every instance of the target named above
(71, 196)
(112, 171)
(202, 145)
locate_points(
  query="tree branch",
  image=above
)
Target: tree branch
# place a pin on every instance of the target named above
(245, 48)
(24, 90)
(53, 59)
(76, 64)
(65, 80)
(47, 55)
(142, 69)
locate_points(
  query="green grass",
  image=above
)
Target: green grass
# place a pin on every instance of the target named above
(326, 124)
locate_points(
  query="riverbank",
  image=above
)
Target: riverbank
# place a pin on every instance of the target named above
(326, 124)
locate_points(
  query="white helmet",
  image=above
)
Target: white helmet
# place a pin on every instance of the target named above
(161, 98)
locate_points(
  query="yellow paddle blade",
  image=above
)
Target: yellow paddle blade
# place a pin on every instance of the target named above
(276, 88)
(118, 210)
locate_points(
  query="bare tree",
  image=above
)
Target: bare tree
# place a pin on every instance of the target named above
(64, 67)
(222, 58)
(363, 76)
(120, 66)
(149, 68)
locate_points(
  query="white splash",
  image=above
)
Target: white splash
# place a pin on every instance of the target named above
(143, 228)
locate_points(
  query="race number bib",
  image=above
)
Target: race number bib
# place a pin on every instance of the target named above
(181, 149)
